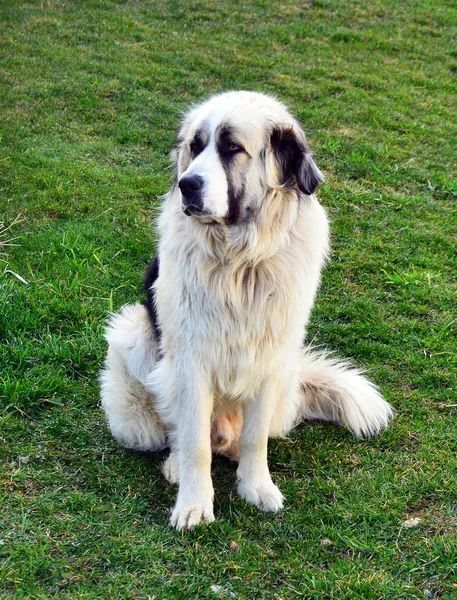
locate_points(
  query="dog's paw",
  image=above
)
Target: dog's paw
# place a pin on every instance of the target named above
(170, 469)
(187, 517)
(265, 496)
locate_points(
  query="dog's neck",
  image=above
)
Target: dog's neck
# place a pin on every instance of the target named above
(248, 260)
(249, 242)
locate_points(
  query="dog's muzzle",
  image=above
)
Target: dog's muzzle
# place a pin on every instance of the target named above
(191, 192)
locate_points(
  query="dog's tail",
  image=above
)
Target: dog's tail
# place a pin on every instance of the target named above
(128, 405)
(333, 391)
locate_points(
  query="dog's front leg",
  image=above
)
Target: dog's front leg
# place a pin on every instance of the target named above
(254, 481)
(194, 503)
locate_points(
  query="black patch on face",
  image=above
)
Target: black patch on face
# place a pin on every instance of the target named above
(199, 141)
(295, 163)
(225, 140)
(152, 274)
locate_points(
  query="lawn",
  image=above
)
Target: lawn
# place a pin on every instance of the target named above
(91, 93)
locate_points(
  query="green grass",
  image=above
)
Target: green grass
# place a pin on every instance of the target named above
(91, 94)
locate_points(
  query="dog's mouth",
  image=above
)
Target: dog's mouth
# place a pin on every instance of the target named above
(208, 221)
(202, 218)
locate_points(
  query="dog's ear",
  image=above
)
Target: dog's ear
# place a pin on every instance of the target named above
(295, 163)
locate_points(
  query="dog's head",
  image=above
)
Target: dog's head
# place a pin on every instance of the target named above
(232, 150)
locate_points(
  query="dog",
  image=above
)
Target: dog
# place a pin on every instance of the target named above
(214, 360)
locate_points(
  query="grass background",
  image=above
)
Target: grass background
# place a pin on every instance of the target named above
(90, 96)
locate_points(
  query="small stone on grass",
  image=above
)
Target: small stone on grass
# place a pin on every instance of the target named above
(327, 542)
(411, 523)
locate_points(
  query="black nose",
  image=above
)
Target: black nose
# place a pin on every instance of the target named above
(191, 186)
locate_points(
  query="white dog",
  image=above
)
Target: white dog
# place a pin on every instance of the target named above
(215, 359)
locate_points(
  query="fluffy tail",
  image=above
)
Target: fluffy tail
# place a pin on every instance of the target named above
(128, 405)
(333, 391)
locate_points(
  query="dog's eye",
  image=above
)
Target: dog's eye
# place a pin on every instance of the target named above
(234, 148)
(195, 146)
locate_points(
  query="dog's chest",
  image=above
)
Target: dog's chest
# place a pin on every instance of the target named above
(235, 325)
(238, 348)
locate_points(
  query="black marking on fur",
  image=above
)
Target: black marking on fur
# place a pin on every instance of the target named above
(295, 163)
(226, 138)
(200, 140)
(152, 273)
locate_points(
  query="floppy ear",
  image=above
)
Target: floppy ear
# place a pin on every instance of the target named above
(295, 163)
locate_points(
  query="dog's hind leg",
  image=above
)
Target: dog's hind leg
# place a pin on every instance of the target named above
(333, 391)
(128, 405)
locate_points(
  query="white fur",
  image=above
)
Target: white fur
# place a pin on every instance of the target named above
(126, 402)
(233, 302)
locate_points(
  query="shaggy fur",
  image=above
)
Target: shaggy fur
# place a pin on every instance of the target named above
(216, 361)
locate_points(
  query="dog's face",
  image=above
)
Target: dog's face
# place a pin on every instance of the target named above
(232, 150)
